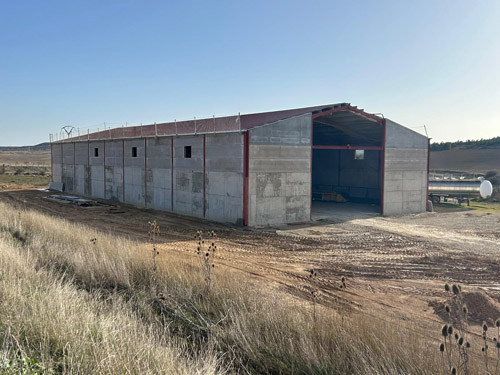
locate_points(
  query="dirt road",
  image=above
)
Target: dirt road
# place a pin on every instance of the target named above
(395, 267)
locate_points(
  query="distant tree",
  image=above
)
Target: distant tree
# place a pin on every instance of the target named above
(468, 144)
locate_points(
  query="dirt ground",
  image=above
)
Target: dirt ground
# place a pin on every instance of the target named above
(396, 268)
(466, 160)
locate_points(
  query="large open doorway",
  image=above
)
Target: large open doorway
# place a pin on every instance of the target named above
(347, 166)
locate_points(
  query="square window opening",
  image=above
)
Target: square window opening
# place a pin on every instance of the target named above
(187, 152)
(359, 154)
(134, 152)
(96, 152)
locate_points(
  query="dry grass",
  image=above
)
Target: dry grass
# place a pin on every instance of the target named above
(475, 205)
(72, 305)
(25, 157)
(24, 175)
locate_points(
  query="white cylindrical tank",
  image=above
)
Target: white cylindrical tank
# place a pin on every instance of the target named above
(462, 188)
(486, 189)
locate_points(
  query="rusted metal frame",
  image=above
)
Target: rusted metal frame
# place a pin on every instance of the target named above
(172, 173)
(76, 139)
(311, 171)
(351, 109)
(428, 171)
(345, 130)
(123, 170)
(145, 173)
(88, 154)
(104, 166)
(204, 177)
(246, 165)
(74, 167)
(347, 147)
(62, 164)
(51, 161)
(382, 167)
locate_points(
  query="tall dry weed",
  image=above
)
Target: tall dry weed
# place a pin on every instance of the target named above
(101, 312)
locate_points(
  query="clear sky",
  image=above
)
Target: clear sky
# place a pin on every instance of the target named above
(83, 63)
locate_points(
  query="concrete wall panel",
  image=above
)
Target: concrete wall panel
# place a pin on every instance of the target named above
(81, 168)
(114, 170)
(159, 174)
(188, 176)
(279, 172)
(405, 170)
(79, 187)
(97, 181)
(96, 169)
(405, 183)
(67, 169)
(397, 136)
(147, 176)
(134, 185)
(56, 155)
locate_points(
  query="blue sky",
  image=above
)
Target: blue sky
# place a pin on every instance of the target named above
(83, 63)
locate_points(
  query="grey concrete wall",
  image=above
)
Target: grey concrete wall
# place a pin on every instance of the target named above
(67, 166)
(146, 179)
(405, 175)
(188, 176)
(159, 174)
(114, 170)
(280, 172)
(82, 170)
(96, 170)
(56, 162)
(224, 177)
(135, 187)
(398, 136)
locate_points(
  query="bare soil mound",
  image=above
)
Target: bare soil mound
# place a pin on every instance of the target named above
(481, 308)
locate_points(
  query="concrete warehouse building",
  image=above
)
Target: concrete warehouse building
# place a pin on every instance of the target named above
(256, 169)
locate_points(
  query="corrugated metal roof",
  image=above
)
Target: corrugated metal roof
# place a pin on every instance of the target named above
(208, 125)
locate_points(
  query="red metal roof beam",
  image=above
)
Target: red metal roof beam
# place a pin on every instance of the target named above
(350, 108)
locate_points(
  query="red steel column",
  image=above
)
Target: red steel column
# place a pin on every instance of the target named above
(145, 173)
(123, 169)
(311, 171)
(104, 167)
(51, 161)
(62, 163)
(246, 154)
(382, 168)
(88, 182)
(204, 187)
(428, 171)
(74, 167)
(172, 173)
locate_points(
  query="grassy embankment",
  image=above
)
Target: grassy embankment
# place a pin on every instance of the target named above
(70, 304)
(24, 175)
(475, 205)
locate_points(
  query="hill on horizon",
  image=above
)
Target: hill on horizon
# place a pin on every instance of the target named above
(45, 146)
(481, 144)
(472, 156)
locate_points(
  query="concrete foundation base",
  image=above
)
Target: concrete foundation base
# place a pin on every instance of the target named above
(343, 211)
